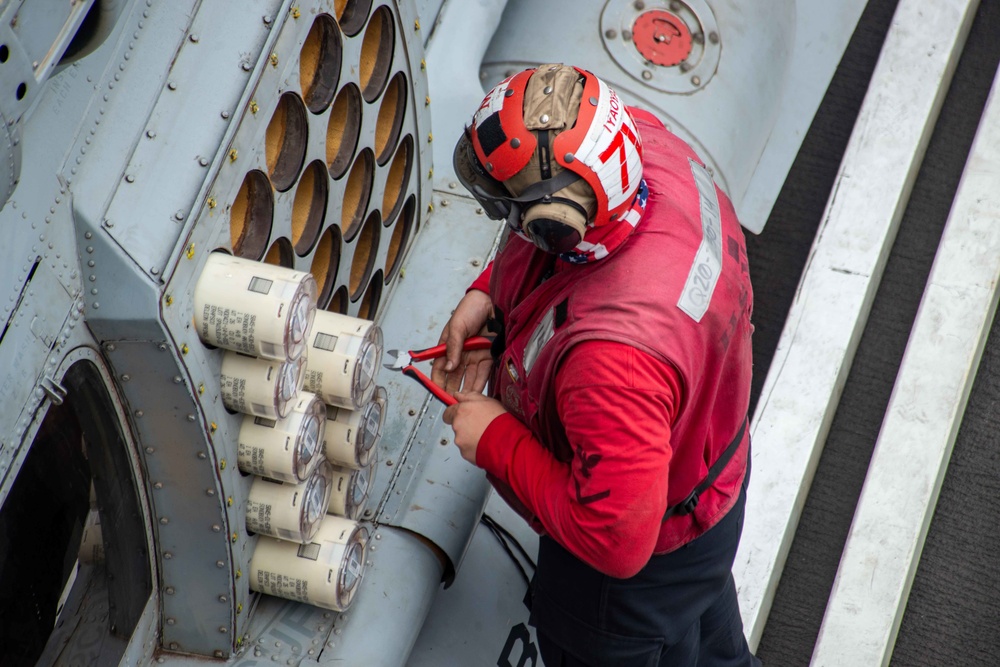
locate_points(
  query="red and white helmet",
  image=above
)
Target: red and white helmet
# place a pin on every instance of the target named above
(597, 141)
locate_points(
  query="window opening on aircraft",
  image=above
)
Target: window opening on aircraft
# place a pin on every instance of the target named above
(57, 592)
(97, 25)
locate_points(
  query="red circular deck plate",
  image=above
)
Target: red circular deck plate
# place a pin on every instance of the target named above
(661, 37)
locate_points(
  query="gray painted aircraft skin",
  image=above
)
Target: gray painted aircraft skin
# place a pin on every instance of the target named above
(141, 136)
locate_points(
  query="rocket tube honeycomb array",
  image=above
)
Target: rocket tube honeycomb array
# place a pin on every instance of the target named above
(333, 159)
(329, 188)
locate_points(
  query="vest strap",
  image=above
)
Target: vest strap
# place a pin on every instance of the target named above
(688, 505)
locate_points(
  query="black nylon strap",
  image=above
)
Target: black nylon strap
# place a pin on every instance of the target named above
(687, 505)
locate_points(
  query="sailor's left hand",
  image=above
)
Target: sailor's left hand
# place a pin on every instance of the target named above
(469, 418)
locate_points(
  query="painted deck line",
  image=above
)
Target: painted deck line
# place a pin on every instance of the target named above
(825, 323)
(924, 414)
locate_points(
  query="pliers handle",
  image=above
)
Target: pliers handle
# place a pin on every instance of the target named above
(404, 362)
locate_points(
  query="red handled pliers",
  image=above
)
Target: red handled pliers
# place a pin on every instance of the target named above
(403, 361)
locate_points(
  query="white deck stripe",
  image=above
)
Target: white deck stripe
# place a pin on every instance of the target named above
(825, 323)
(922, 420)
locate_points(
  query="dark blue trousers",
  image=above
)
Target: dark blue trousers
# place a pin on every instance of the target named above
(680, 610)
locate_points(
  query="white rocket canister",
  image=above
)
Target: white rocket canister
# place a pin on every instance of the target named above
(290, 511)
(344, 355)
(349, 492)
(255, 308)
(260, 387)
(286, 449)
(324, 572)
(352, 435)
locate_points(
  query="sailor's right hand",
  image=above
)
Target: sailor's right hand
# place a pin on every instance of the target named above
(458, 369)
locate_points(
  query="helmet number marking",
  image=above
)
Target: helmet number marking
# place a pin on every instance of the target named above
(617, 145)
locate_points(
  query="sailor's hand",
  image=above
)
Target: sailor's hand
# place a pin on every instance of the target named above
(469, 418)
(458, 369)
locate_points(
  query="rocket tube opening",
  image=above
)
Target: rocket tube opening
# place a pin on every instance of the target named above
(285, 141)
(400, 239)
(319, 63)
(343, 130)
(365, 251)
(396, 179)
(251, 215)
(352, 14)
(357, 194)
(325, 264)
(391, 111)
(372, 297)
(376, 53)
(309, 208)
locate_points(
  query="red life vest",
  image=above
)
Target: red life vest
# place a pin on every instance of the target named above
(677, 289)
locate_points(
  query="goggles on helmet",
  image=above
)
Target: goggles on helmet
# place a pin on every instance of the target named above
(499, 204)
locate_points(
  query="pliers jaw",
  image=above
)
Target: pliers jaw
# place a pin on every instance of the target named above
(403, 362)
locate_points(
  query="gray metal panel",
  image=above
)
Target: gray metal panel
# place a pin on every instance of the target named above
(133, 66)
(381, 627)
(40, 331)
(167, 168)
(193, 528)
(486, 602)
(425, 485)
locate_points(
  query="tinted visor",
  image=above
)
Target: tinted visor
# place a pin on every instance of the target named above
(489, 192)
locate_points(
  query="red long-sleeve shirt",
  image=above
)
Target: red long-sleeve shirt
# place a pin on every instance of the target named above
(617, 403)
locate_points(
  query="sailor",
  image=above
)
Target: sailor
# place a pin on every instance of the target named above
(619, 379)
